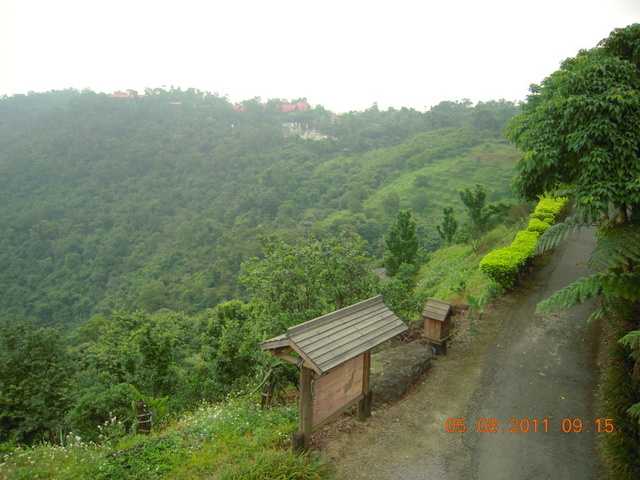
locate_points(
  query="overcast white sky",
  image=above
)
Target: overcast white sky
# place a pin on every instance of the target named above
(343, 54)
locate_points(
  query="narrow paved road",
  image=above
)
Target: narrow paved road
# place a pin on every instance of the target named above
(520, 371)
(537, 386)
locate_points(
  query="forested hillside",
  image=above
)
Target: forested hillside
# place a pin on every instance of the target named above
(149, 243)
(154, 201)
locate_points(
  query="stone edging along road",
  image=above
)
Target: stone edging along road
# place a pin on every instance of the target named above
(512, 400)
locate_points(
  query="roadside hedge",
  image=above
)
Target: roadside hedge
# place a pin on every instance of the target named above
(504, 265)
(549, 208)
(539, 226)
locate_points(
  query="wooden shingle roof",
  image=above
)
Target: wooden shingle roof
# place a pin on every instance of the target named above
(437, 310)
(330, 340)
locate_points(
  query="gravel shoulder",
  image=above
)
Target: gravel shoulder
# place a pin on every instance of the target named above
(501, 373)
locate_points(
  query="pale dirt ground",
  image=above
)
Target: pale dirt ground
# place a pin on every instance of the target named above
(512, 363)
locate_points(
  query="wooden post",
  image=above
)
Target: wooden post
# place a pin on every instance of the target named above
(364, 405)
(267, 395)
(297, 442)
(301, 440)
(143, 417)
(439, 347)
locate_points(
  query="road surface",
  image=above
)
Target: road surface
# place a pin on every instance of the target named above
(519, 384)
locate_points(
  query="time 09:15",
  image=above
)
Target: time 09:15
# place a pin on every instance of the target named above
(525, 425)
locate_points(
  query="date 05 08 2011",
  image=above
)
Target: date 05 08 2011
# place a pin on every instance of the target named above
(524, 425)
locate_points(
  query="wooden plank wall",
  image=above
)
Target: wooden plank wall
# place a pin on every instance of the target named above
(337, 388)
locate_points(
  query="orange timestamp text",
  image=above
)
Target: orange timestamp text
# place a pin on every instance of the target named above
(525, 425)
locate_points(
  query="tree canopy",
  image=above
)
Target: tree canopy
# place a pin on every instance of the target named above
(580, 127)
(295, 283)
(127, 222)
(580, 132)
(155, 202)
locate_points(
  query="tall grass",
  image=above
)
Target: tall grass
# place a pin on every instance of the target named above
(452, 273)
(278, 465)
(231, 440)
(618, 451)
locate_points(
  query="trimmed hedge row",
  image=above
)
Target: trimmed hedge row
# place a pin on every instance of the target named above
(504, 265)
(549, 209)
(539, 226)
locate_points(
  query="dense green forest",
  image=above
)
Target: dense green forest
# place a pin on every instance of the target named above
(140, 203)
(152, 240)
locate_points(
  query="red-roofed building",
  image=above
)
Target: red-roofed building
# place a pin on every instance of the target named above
(297, 107)
(301, 106)
(126, 95)
(287, 108)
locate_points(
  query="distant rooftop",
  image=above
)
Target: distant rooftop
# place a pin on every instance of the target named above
(285, 107)
(126, 95)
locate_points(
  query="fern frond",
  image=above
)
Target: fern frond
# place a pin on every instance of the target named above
(597, 314)
(578, 292)
(632, 340)
(634, 411)
(559, 232)
(616, 246)
(624, 286)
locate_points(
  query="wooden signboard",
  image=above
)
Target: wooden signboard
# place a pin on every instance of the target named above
(333, 353)
(337, 390)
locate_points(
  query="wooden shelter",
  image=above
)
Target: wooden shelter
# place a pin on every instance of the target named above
(437, 323)
(334, 356)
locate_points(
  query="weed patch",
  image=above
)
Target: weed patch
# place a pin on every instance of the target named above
(278, 465)
(618, 450)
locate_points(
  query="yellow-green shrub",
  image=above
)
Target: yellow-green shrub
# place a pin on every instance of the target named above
(549, 208)
(504, 265)
(525, 241)
(539, 226)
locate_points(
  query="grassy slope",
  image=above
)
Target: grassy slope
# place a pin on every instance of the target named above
(235, 440)
(489, 164)
(452, 272)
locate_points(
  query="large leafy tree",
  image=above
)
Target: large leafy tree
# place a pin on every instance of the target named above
(295, 283)
(580, 128)
(231, 346)
(580, 131)
(34, 378)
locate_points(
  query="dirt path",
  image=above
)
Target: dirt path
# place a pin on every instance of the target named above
(513, 364)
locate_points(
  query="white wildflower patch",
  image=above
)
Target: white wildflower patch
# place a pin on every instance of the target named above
(51, 461)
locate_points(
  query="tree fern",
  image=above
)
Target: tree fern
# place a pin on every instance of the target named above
(634, 411)
(617, 245)
(578, 292)
(625, 286)
(559, 232)
(632, 340)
